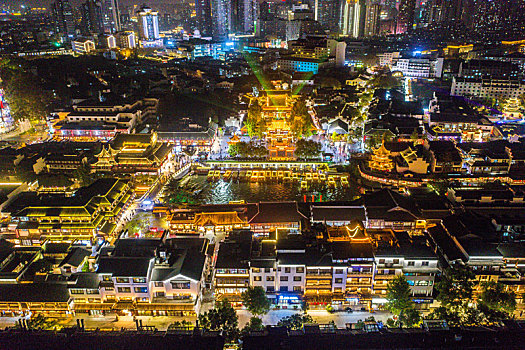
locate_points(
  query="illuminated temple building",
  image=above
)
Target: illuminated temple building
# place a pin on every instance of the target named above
(380, 159)
(276, 108)
(133, 153)
(91, 211)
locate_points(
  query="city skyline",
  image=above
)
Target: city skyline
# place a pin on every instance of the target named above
(318, 174)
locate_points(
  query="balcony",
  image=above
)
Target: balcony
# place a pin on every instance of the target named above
(231, 285)
(360, 274)
(316, 285)
(379, 276)
(317, 276)
(359, 284)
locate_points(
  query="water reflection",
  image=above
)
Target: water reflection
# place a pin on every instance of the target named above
(221, 191)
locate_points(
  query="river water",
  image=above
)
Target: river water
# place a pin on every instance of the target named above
(221, 192)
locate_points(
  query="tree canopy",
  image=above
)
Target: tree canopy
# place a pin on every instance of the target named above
(495, 297)
(295, 321)
(24, 92)
(255, 324)
(456, 286)
(385, 81)
(255, 122)
(307, 149)
(221, 318)
(247, 150)
(456, 290)
(256, 301)
(300, 120)
(399, 301)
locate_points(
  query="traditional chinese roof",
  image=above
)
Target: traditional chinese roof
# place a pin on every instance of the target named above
(216, 219)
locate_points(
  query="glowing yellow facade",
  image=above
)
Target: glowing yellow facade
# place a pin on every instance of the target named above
(380, 159)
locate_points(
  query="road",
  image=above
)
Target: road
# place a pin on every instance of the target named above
(162, 322)
(319, 316)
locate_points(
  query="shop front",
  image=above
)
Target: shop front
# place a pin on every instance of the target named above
(288, 300)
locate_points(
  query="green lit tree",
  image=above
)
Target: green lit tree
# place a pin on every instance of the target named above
(300, 120)
(255, 123)
(256, 301)
(83, 175)
(399, 301)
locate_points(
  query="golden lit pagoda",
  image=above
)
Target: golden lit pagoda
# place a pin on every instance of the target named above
(234, 140)
(380, 159)
(511, 109)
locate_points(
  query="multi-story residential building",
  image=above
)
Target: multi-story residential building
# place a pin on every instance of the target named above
(64, 19)
(144, 277)
(297, 64)
(83, 45)
(126, 40)
(344, 266)
(232, 268)
(490, 88)
(148, 26)
(419, 67)
(388, 59)
(110, 16)
(476, 69)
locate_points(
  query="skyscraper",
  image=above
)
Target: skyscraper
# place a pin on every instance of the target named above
(352, 18)
(327, 13)
(204, 19)
(445, 10)
(110, 16)
(497, 19)
(244, 16)
(64, 19)
(91, 18)
(405, 17)
(148, 21)
(221, 10)
(372, 19)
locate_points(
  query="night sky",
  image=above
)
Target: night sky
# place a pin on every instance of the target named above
(78, 2)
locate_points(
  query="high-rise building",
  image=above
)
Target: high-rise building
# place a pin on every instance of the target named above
(221, 10)
(244, 16)
(445, 10)
(452, 10)
(328, 13)
(148, 22)
(64, 19)
(405, 17)
(91, 18)
(501, 19)
(126, 40)
(373, 12)
(353, 16)
(110, 16)
(203, 10)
